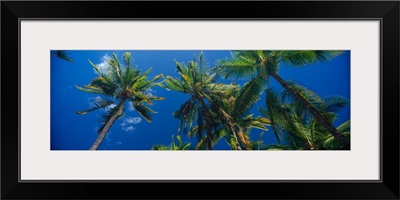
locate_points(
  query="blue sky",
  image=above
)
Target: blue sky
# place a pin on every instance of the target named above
(70, 131)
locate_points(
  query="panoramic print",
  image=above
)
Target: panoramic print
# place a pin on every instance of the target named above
(192, 100)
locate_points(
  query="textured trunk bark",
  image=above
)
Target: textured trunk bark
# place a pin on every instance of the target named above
(234, 136)
(339, 136)
(243, 139)
(107, 127)
(208, 123)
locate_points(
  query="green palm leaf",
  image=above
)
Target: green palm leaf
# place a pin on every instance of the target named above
(302, 57)
(144, 111)
(173, 146)
(97, 104)
(141, 80)
(95, 67)
(249, 95)
(272, 105)
(306, 94)
(236, 68)
(335, 103)
(62, 54)
(106, 84)
(173, 84)
(91, 89)
(127, 58)
(344, 127)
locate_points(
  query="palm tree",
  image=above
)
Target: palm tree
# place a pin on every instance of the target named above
(265, 64)
(218, 108)
(120, 84)
(195, 80)
(62, 54)
(229, 111)
(298, 126)
(232, 112)
(173, 146)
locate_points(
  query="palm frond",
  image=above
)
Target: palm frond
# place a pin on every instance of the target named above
(160, 147)
(62, 54)
(249, 56)
(308, 95)
(223, 90)
(127, 58)
(140, 80)
(249, 94)
(180, 68)
(217, 136)
(116, 69)
(173, 146)
(344, 127)
(236, 68)
(106, 84)
(331, 143)
(211, 78)
(272, 105)
(144, 111)
(260, 123)
(114, 63)
(187, 113)
(173, 84)
(97, 103)
(335, 103)
(257, 145)
(304, 57)
(142, 97)
(91, 89)
(152, 82)
(257, 122)
(278, 147)
(144, 84)
(202, 64)
(193, 131)
(130, 76)
(95, 67)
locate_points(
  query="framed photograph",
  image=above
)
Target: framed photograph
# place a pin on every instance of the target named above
(299, 96)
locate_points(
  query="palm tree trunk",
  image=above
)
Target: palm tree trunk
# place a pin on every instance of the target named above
(208, 123)
(234, 136)
(246, 142)
(108, 125)
(328, 125)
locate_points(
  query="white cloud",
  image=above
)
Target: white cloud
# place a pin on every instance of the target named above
(128, 121)
(91, 100)
(149, 92)
(131, 108)
(133, 120)
(108, 108)
(128, 129)
(103, 65)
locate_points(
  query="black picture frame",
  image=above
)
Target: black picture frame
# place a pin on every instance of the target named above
(386, 11)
